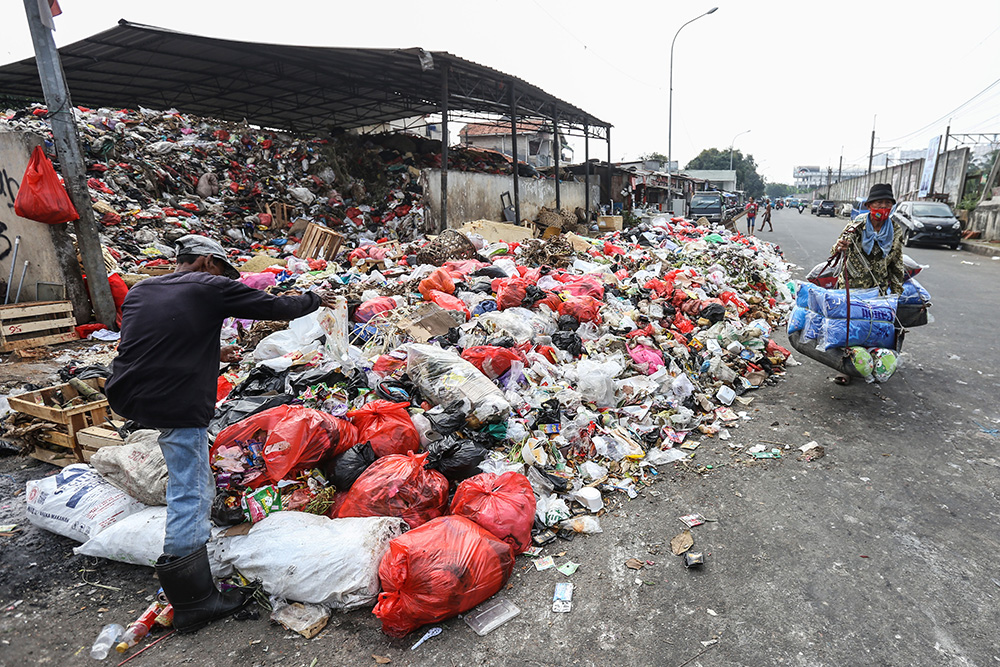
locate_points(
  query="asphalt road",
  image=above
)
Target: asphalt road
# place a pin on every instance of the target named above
(883, 552)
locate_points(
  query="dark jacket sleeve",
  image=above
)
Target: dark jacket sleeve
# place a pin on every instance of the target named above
(241, 301)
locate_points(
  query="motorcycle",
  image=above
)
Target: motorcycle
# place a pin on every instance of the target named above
(802, 207)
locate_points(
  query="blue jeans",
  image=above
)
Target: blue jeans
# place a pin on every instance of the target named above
(190, 489)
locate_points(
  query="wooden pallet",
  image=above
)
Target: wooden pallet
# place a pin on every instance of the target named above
(32, 324)
(319, 242)
(66, 422)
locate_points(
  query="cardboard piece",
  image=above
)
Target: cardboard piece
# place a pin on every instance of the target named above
(496, 232)
(428, 321)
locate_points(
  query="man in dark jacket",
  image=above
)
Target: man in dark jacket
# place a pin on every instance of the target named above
(165, 377)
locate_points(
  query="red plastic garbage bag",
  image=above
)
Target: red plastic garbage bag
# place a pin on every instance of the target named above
(502, 504)
(41, 196)
(439, 280)
(387, 426)
(449, 302)
(588, 285)
(373, 307)
(445, 567)
(551, 301)
(492, 361)
(464, 267)
(397, 485)
(583, 308)
(511, 293)
(294, 439)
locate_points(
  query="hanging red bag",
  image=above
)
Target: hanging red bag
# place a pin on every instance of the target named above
(439, 280)
(41, 196)
(294, 439)
(397, 485)
(492, 361)
(445, 567)
(387, 426)
(583, 308)
(502, 504)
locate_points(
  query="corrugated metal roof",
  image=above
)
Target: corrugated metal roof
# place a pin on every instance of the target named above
(494, 129)
(285, 86)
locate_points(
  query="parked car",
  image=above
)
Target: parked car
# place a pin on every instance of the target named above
(928, 222)
(858, 207)
(815, 206)
(827, 207)
(707, 204)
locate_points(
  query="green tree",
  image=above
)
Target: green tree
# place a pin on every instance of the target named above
(654, 156)
(747, 177)
(775, 190)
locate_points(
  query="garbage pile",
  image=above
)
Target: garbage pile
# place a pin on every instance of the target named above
(157, 175)
(450, 415)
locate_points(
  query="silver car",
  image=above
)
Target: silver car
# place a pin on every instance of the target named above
(928, 222)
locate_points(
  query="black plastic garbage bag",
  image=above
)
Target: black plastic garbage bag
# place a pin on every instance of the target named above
(237, 410)
(226, 509)
(568, 323)
(446, 419)
(342, 470)
(261, 380)
(569, 341)
(455, 459)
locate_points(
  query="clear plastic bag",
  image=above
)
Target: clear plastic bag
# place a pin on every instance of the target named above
(443, 377)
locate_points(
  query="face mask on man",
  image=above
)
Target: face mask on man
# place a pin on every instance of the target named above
(879, 214)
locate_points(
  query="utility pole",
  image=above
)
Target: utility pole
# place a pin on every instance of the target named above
(871, 155)
(67, 143)
(840, 167)
(829, 176)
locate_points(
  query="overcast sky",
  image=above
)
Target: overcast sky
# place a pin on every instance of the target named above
(807, 78)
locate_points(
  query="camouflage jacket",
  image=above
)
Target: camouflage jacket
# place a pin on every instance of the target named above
(873, 269)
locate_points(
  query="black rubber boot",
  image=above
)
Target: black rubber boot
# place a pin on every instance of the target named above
(188, 585)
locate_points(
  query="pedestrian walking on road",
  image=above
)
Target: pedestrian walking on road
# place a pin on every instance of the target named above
(165, 377)
(872, 248)
(751, 209)
(767, 218)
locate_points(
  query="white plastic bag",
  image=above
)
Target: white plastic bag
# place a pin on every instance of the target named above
(596, 380)
(77, 502)
(310, 558)
(136, 467)
(299, 335)
(138, 540)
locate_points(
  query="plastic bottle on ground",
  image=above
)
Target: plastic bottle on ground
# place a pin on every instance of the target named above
(108, 637)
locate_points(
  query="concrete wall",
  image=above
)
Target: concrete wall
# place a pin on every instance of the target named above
(985, 218)
(37, 244)
(475, 196)
(905, 179)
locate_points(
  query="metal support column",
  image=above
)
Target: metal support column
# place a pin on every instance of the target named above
(944, 179)
(611, 198)
(513, 147)
(67, 144)
(443, 222)
(557, 150)
(586, 170)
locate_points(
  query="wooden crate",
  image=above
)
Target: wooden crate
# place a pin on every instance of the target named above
(93, 438)
(66, 422)
(319, 242)
(158, 270)
(33, 324)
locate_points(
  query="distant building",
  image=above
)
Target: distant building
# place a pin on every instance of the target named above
(534, 141)
(812, 177)
(718, 179)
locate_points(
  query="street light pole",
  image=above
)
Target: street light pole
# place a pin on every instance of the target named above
(731, 149)
(670, 107)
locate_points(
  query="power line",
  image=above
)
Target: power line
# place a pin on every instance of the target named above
(947, 115)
